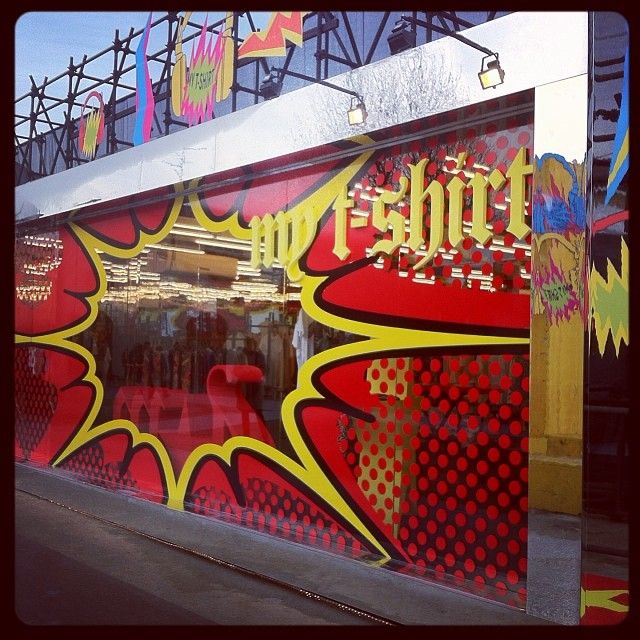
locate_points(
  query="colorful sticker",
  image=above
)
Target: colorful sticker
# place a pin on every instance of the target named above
(145, 102)
(283, 27)
(610, 302)
(200, 87)
(91, 131)
(620, 154)
(558, 296)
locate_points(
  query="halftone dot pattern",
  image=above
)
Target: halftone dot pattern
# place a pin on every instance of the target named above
(273, 509)
(212, 501)
(35, 398)
(89, 463)
(503, 263)
(446, 468)
(388, 377)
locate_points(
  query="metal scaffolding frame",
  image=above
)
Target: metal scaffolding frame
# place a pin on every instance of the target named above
(46, 123)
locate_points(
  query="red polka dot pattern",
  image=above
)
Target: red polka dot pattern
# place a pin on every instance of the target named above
(273, 509)
(88, 463)
(35, 399)
(446, 472)
(211, 501)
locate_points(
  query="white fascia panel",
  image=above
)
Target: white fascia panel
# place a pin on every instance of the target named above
(535, 48)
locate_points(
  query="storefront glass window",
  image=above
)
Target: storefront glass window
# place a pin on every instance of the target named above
(334, 351)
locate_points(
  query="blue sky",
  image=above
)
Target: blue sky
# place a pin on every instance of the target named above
(44, 40)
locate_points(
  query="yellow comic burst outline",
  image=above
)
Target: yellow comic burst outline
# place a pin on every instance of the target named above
(599, 286)
(381, 339)
(602, 599)
(88, 430)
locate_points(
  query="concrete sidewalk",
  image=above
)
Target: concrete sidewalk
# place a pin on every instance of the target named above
(404, 599)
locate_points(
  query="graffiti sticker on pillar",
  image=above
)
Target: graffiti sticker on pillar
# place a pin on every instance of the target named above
(557, 295)
(283, 26)
(559, 222)
(559, 205)
(91, 127)
(610, 302)
(144, 92)
(620, 155)
(200, 87)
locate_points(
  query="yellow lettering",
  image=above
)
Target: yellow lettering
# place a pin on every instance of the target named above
(256, 241)
(517, 173)
(296, 233)
(456, 192)
(269, 228)
(340, 206)
(479, 221)
(282, 224)
(303, 234)
(419, 195)
(394, 219)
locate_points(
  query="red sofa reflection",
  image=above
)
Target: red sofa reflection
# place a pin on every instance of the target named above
(220, 413)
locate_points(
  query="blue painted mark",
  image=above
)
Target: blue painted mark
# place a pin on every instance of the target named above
(554, 210)
(617, 173)
(144, 93)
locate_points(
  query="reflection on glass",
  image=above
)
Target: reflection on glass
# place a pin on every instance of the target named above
(195, 346)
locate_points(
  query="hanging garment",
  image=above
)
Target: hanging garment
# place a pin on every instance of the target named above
(302, 339)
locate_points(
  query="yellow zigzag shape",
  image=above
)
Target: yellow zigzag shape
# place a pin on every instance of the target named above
(602, 598)
(610, 302)
(91, 134)
(283, 26)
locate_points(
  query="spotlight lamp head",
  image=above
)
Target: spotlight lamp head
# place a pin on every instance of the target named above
(402, 36)
(357, 113)
(491, 73)
(271, 85)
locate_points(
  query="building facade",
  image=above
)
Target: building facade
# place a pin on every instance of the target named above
(404, 339)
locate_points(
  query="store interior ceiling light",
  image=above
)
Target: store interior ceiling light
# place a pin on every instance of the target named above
(167, 247)
(491, 73)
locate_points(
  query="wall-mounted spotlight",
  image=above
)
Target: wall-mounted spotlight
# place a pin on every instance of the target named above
(491, 73)
(402, 37)
(357, 113)
(271, 86)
